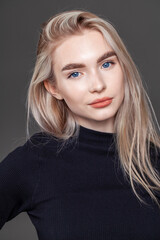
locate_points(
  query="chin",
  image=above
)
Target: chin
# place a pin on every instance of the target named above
(104, 116)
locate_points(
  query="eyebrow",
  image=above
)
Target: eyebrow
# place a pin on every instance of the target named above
(81, 65)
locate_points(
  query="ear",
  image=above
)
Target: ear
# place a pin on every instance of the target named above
(52, 90)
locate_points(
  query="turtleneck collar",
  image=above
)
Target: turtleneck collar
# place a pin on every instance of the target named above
(94, 132)
(96, 138)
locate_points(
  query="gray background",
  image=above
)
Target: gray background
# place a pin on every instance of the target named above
(137, 22)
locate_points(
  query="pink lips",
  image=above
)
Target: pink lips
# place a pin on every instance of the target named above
(101, 100)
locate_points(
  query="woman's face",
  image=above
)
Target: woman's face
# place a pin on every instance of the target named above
(86, 68)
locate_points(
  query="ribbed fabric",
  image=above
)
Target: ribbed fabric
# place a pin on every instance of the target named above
(79, 193)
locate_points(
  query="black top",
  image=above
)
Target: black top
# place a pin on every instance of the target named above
(77, 194)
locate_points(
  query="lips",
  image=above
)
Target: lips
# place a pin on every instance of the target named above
(101, 100)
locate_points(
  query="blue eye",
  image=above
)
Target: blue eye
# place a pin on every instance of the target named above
(106, 64)
(74, 75)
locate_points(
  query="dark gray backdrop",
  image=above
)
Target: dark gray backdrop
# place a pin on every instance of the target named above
(138, 23)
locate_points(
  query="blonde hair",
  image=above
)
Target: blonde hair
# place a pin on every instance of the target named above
(136, 136)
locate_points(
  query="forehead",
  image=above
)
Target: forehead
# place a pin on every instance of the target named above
(88, 44)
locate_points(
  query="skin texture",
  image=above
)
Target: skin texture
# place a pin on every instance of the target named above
(96, 80)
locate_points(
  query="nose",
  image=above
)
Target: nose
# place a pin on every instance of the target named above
(96, 82)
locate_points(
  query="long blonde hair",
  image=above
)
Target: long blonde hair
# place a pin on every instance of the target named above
(136, 136)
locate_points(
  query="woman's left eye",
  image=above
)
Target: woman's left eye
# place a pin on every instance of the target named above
(107, 64)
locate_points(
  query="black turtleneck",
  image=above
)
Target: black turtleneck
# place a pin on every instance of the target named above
(78, 193)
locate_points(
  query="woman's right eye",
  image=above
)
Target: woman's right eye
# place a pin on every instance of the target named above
(74, 75)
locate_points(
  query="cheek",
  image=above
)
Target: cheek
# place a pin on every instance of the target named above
(121, 91)
(119, 86)
(116, 84)
(73, 92)
(72, 96)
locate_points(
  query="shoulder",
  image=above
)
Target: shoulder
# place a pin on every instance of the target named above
(155, 156)
(41, 140)
(46, 140)
(31, 149)
(154, 150)
(44, 145)
(27, 159)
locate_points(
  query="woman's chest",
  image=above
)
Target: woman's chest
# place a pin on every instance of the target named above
(88, 199)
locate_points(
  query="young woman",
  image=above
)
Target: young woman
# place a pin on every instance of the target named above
(93, 171)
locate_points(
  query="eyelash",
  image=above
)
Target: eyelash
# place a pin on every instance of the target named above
(70, 75)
